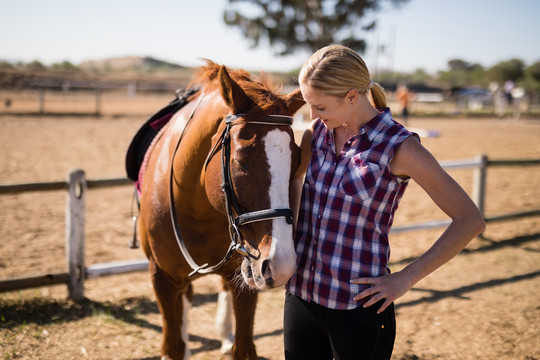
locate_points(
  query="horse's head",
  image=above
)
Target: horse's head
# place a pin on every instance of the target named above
(249, 176)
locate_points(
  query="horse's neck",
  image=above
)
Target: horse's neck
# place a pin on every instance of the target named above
(190, 159)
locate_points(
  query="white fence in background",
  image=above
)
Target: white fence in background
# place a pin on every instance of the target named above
(77, 185)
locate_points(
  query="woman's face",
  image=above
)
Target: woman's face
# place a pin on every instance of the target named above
(332, 110)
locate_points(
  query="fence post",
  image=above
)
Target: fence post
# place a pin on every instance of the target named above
(479, 185)
(41, 101)
(75, 229)
(98, 102)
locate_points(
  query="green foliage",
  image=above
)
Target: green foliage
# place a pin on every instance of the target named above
(462, 73)
(513, 69)
(533, 71)
(292, 25)
(64, 66)
(35, 66)
(531, 81)
(4, 65)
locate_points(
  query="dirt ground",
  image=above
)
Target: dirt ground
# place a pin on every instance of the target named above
(484, 304)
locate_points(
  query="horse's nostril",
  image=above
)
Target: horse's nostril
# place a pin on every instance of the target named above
(264, 267)
(269, 282)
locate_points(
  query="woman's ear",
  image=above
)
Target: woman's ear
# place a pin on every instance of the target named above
(352, 96)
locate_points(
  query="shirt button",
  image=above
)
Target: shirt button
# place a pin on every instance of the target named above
(349, 142)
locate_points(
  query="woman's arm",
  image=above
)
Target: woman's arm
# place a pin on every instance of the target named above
(298, 178)
(413, 160)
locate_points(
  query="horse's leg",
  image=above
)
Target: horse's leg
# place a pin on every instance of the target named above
(224, 318)
(174, 302)
(245, 302)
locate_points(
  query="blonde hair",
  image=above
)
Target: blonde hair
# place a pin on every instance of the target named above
(336, 69)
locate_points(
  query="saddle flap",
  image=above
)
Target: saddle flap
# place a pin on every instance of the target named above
(144, 136)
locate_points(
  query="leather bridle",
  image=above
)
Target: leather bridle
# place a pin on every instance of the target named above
(231, 201)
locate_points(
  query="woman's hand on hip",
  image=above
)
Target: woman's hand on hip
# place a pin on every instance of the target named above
(389, 287)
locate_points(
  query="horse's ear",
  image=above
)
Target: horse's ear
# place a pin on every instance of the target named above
(294, 101)
(233, 95)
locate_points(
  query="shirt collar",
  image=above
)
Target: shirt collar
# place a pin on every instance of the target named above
(374, 126)
(371, 129)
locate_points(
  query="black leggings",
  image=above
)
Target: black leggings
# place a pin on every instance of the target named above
(314, 332)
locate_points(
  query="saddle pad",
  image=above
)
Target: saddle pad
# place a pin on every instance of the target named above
(148, 131)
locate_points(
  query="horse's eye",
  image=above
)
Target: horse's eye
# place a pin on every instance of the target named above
(240, 166)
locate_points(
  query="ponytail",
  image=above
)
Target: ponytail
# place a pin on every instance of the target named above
(378, 96)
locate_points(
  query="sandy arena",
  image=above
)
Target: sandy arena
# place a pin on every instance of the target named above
(484, 304)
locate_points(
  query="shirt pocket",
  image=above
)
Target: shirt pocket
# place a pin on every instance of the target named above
(360, 178)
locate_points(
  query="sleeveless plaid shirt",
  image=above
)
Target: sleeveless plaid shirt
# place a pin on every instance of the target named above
(347, 208)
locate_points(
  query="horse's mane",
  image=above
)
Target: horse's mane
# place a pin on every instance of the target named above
(260, 89)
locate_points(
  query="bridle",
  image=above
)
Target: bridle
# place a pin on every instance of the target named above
(231, 201)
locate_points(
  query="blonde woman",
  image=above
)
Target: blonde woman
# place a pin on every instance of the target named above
(356, 163)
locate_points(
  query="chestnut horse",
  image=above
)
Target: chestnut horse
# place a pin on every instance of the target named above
(226, 159)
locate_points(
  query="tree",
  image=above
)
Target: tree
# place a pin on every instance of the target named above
(462, 74)
(292, 25)
(508, 70)
(64, 66)
(532, 78)
(35, 66)
(533, 71)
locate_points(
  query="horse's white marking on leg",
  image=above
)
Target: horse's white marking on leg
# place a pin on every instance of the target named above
(282, 254)
(224, 325)
(185, 336)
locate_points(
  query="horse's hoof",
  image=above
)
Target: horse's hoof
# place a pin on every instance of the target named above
(226, 346)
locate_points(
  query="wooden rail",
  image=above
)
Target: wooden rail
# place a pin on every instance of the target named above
(77, 186)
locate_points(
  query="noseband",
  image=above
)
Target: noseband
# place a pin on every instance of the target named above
(231, 201)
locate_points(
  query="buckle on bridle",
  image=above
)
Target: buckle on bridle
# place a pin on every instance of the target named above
(236, 238)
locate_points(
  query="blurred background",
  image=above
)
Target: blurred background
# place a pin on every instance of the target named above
(454, 57)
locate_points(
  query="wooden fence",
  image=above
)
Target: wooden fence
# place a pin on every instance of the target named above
(77, 186)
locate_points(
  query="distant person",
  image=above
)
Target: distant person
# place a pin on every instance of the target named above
(356, 164)
(404, 98)
(518, 95)
(508, 87)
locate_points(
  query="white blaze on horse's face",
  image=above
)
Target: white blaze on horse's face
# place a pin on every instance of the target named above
(281, 261)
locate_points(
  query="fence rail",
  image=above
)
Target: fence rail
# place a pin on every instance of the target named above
(77, 185)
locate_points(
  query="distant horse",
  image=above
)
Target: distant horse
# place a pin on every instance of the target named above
(224, 162)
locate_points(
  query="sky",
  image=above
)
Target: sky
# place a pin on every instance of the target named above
(423, 34)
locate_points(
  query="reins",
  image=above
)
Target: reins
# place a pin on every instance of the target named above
(231, 201)
(197, 269)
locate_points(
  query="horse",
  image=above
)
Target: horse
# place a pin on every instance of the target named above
(215, 190)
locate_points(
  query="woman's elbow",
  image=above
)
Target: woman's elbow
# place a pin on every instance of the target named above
(478, 224)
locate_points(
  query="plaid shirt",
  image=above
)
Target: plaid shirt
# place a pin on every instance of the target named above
(347, 209)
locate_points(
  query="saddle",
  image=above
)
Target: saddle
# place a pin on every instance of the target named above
(145, 135)
(142, 143)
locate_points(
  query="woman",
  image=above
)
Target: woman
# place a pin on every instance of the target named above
(356, 163)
